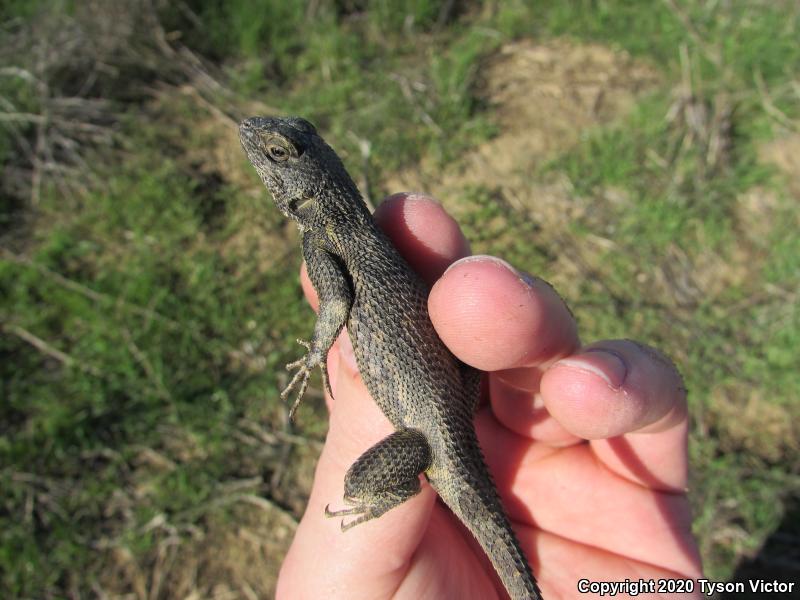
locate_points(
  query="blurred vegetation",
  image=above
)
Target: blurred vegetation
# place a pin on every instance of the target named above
(148, 304)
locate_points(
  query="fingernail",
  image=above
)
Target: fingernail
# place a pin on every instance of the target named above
(607, 365)
(486, 258)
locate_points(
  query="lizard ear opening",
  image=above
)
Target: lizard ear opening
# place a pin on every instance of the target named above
(298, 204)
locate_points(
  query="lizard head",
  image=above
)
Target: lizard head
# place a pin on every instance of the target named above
(298, 168)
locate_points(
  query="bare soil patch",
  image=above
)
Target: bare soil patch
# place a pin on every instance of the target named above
(543, 97)
(784, 153)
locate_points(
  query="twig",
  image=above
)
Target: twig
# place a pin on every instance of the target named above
(147, 366)
(49, 350)
(236, 485)
(248, 591)
(711, 54)
(21, 73)
(41, 141)
(365, 149)
(192, 91)
(252, 499)
(258, 501)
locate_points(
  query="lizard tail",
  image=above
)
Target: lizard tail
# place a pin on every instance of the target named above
(478, 507)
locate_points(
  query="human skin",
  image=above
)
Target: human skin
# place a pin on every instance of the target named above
(587, 444)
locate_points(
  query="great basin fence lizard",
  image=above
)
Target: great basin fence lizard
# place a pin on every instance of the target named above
(428, 395)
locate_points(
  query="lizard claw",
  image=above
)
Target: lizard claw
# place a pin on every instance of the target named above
(304, 366)
(325, 380)
(361, 510)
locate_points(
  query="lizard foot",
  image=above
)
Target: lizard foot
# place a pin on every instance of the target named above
(385, 476)
(304, 367)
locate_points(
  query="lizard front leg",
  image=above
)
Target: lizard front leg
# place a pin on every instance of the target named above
(330, 280)
(384, 476)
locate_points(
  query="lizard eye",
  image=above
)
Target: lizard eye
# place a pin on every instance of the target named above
(278, 148)
(277, 152)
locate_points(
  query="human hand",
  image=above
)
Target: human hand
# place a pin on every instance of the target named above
(587, 445)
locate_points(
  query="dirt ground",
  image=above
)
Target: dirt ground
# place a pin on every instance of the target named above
(543, 97)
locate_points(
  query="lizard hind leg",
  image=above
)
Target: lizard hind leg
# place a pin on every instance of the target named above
(383, 477)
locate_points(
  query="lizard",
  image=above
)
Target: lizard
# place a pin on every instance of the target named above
(427, 394)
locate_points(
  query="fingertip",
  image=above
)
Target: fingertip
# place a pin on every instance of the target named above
(629, 401)
(423, 232)
(612, 388)
(493, 318)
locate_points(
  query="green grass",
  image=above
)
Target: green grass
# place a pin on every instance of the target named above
(140, 331)
(152, 355)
